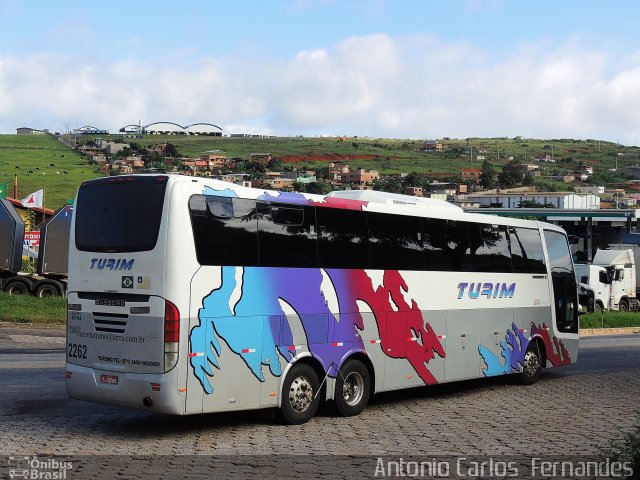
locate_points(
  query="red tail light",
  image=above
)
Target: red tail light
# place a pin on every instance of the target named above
(171, 322)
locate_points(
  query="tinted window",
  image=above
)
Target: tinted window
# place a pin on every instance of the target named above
(119, 214)
(527, 255)
(564, 281)
(446, 244)
(287, 235)
(395, 242)
(558, 251)
(488, 248)
(224, 230)
(342, 238)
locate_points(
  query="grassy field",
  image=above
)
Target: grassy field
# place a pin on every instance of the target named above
(28, 309)
(399, 155)
(610, 320)
(47, 159)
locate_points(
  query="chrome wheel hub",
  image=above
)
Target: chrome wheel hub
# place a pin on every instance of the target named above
(300, 394)
(353, 388)
(531, 364)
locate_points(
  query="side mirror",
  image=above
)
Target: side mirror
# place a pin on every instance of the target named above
(586, 299)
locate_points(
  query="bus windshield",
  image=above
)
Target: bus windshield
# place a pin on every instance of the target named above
(119, 214)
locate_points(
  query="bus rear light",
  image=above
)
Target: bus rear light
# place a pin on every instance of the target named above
(171, 335)
(171, 322)
(68, 374)
(155, 387)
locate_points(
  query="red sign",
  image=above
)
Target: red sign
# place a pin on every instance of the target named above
(32, 239)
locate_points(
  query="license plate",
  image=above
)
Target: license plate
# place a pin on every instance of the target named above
(110, 303)
(109, 379)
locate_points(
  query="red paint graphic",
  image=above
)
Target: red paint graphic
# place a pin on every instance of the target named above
(399, 323)
(556, 352)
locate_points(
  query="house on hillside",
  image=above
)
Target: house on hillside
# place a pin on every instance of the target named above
(433, 146)
(470, 174)
(360, 177)
(260, 157)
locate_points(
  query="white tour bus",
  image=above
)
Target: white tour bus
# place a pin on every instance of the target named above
(190, 295)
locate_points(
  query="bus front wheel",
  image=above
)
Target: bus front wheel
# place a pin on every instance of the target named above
(353, 387)
(300, 395)
(532, 368)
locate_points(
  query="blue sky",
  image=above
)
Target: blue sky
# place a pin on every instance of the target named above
(380, 68)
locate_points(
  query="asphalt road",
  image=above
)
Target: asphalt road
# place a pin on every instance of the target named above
(571, 411)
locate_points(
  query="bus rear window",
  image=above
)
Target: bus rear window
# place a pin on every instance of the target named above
(119, 214)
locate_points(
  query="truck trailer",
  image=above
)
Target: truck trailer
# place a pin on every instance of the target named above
(50, 278)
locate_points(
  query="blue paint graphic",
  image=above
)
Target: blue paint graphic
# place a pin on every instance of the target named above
(511, 359)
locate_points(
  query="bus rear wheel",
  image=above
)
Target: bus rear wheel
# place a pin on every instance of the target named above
(532, 368)
(353, 387)
(300, 395)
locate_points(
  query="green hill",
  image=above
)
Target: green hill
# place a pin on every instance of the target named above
(395, 156)
(40, 161)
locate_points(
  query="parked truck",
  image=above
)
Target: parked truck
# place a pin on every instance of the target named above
(51, 276)
(612, 276)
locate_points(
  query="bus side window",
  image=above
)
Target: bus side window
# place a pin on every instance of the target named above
(489, 248)
(395, 242)
(446, 245)
(224, 230)
(287, 235)
(527, 255)
(342, 238)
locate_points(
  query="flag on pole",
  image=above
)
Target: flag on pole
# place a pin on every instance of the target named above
(3, 190)
(33, 200)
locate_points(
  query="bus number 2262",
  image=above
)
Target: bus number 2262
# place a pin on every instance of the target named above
(77, 351)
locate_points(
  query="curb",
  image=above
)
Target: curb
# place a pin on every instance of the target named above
(592, 332)
(34, 326)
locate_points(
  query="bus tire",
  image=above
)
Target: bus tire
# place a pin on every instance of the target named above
(47, 289)
(353, 387)
(532, 367)
(300, 398)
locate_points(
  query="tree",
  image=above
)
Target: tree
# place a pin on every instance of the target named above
(387, 184)
(413, 180)
(511, 175)
(321, 188)
(488, 175)
(527, 181)
(170, 150)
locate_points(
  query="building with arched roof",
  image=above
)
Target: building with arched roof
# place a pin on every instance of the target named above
(89, 130)
(171, 128)
(204, 129)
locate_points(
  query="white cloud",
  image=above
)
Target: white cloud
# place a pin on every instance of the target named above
(377, 85)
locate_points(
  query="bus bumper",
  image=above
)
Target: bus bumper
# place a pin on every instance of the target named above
(153, 392)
